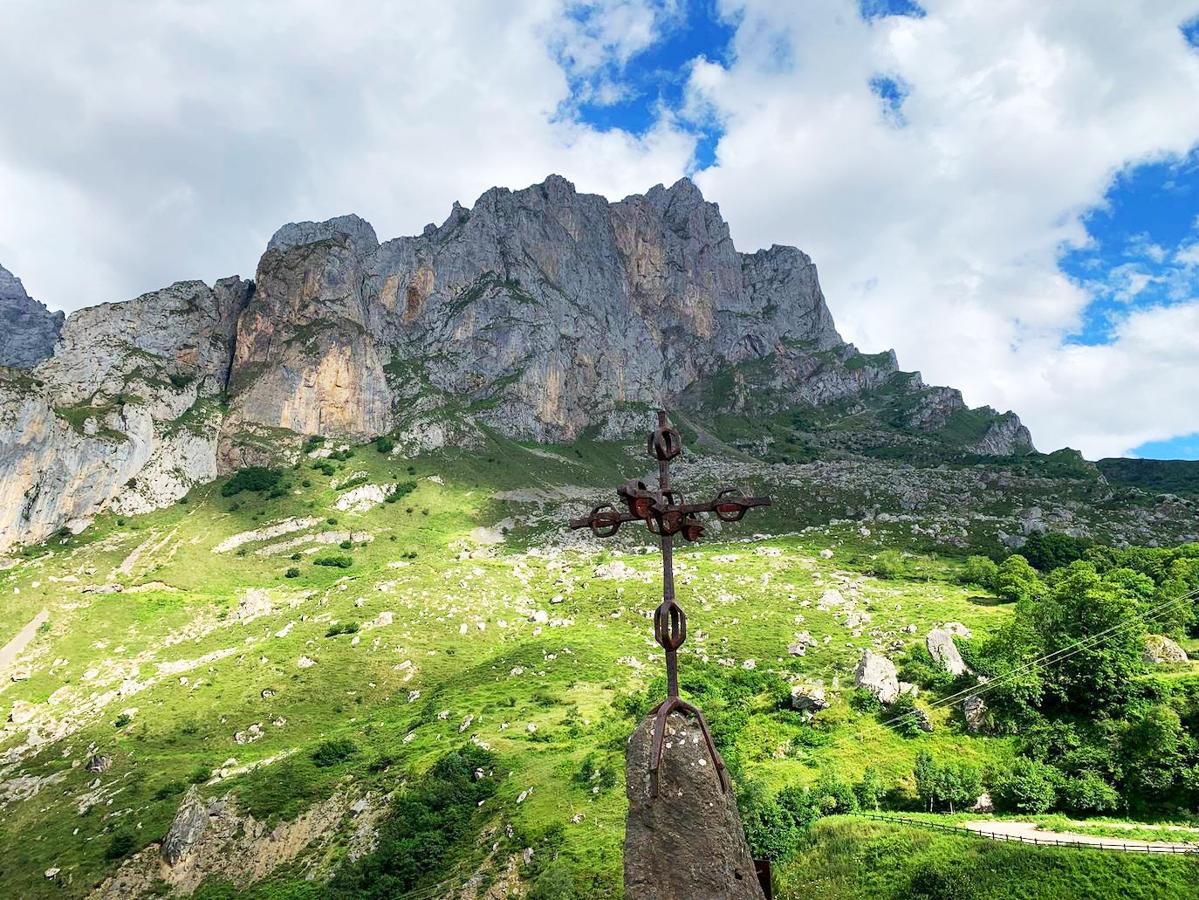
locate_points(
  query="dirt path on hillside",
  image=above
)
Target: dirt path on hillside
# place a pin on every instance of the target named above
(14, 648)
(1028, 832)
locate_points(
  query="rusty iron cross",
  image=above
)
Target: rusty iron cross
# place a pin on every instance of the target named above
(666, 514)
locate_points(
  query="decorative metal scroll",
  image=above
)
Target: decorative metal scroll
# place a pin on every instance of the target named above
(665, 513)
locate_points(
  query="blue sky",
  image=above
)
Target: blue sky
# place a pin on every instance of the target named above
(1142, 245)
(656, 77)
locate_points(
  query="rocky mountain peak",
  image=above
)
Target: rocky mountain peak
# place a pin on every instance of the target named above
(538, 313)
(28, 329)
(358, 231)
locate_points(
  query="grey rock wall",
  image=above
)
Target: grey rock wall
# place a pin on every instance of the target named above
(27, 329)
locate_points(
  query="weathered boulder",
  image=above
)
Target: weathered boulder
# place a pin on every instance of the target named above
(254, 602)
(99, 762)
(186, 829)
(877, 674)
(808, 696)
(1159, 649)
(945, 652)
(688, 841)
(975, 712)
(22, 711)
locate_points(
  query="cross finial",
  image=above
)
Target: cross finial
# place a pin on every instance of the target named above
(664, 513)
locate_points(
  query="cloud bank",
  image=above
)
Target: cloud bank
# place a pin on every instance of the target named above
(935, 167)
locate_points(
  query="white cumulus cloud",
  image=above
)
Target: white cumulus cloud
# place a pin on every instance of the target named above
(941, 237)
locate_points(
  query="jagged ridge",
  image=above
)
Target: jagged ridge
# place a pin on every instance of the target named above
(538, 313)
(28, 329)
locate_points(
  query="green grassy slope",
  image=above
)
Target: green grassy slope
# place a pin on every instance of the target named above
(503, 632)
(843, 858)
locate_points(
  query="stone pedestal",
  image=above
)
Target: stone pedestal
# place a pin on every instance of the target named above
(687, 843)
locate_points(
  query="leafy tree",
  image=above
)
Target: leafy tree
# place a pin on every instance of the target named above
(1016, 580)
(1003, 657)
(952, 783)
(957, 784)
(1030, 787)
(1099, 675)
(1156, 751)
(926, 778)
(870, 790)
(769, 829)
(981, 571)
(1047, 550)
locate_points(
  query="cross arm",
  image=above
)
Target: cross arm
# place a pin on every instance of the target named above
(614, 517)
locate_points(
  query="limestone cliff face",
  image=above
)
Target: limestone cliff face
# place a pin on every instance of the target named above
(537, 312)
(125, 415)
(305, 358)
(27, 329)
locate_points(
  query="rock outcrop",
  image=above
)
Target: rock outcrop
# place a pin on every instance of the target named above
(687, 841)
(975, 712)
(125, 415)
(945, 652)
(1161, 650)
(808, 696)
(538, 313)
(877, 675)
(27, 329)
(187, 828)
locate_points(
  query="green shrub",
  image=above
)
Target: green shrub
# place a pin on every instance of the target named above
(293, 572)
(337, 561)
(252, 478)
(199, 774)
(121, 721)
(342, 628)
(403, 489)
(346, 545)
(1088, 794)
(170, 789)
(330, 753)
(121, 845)
(384, 444)
(431, 825)
(887, 564)
(902, 714)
